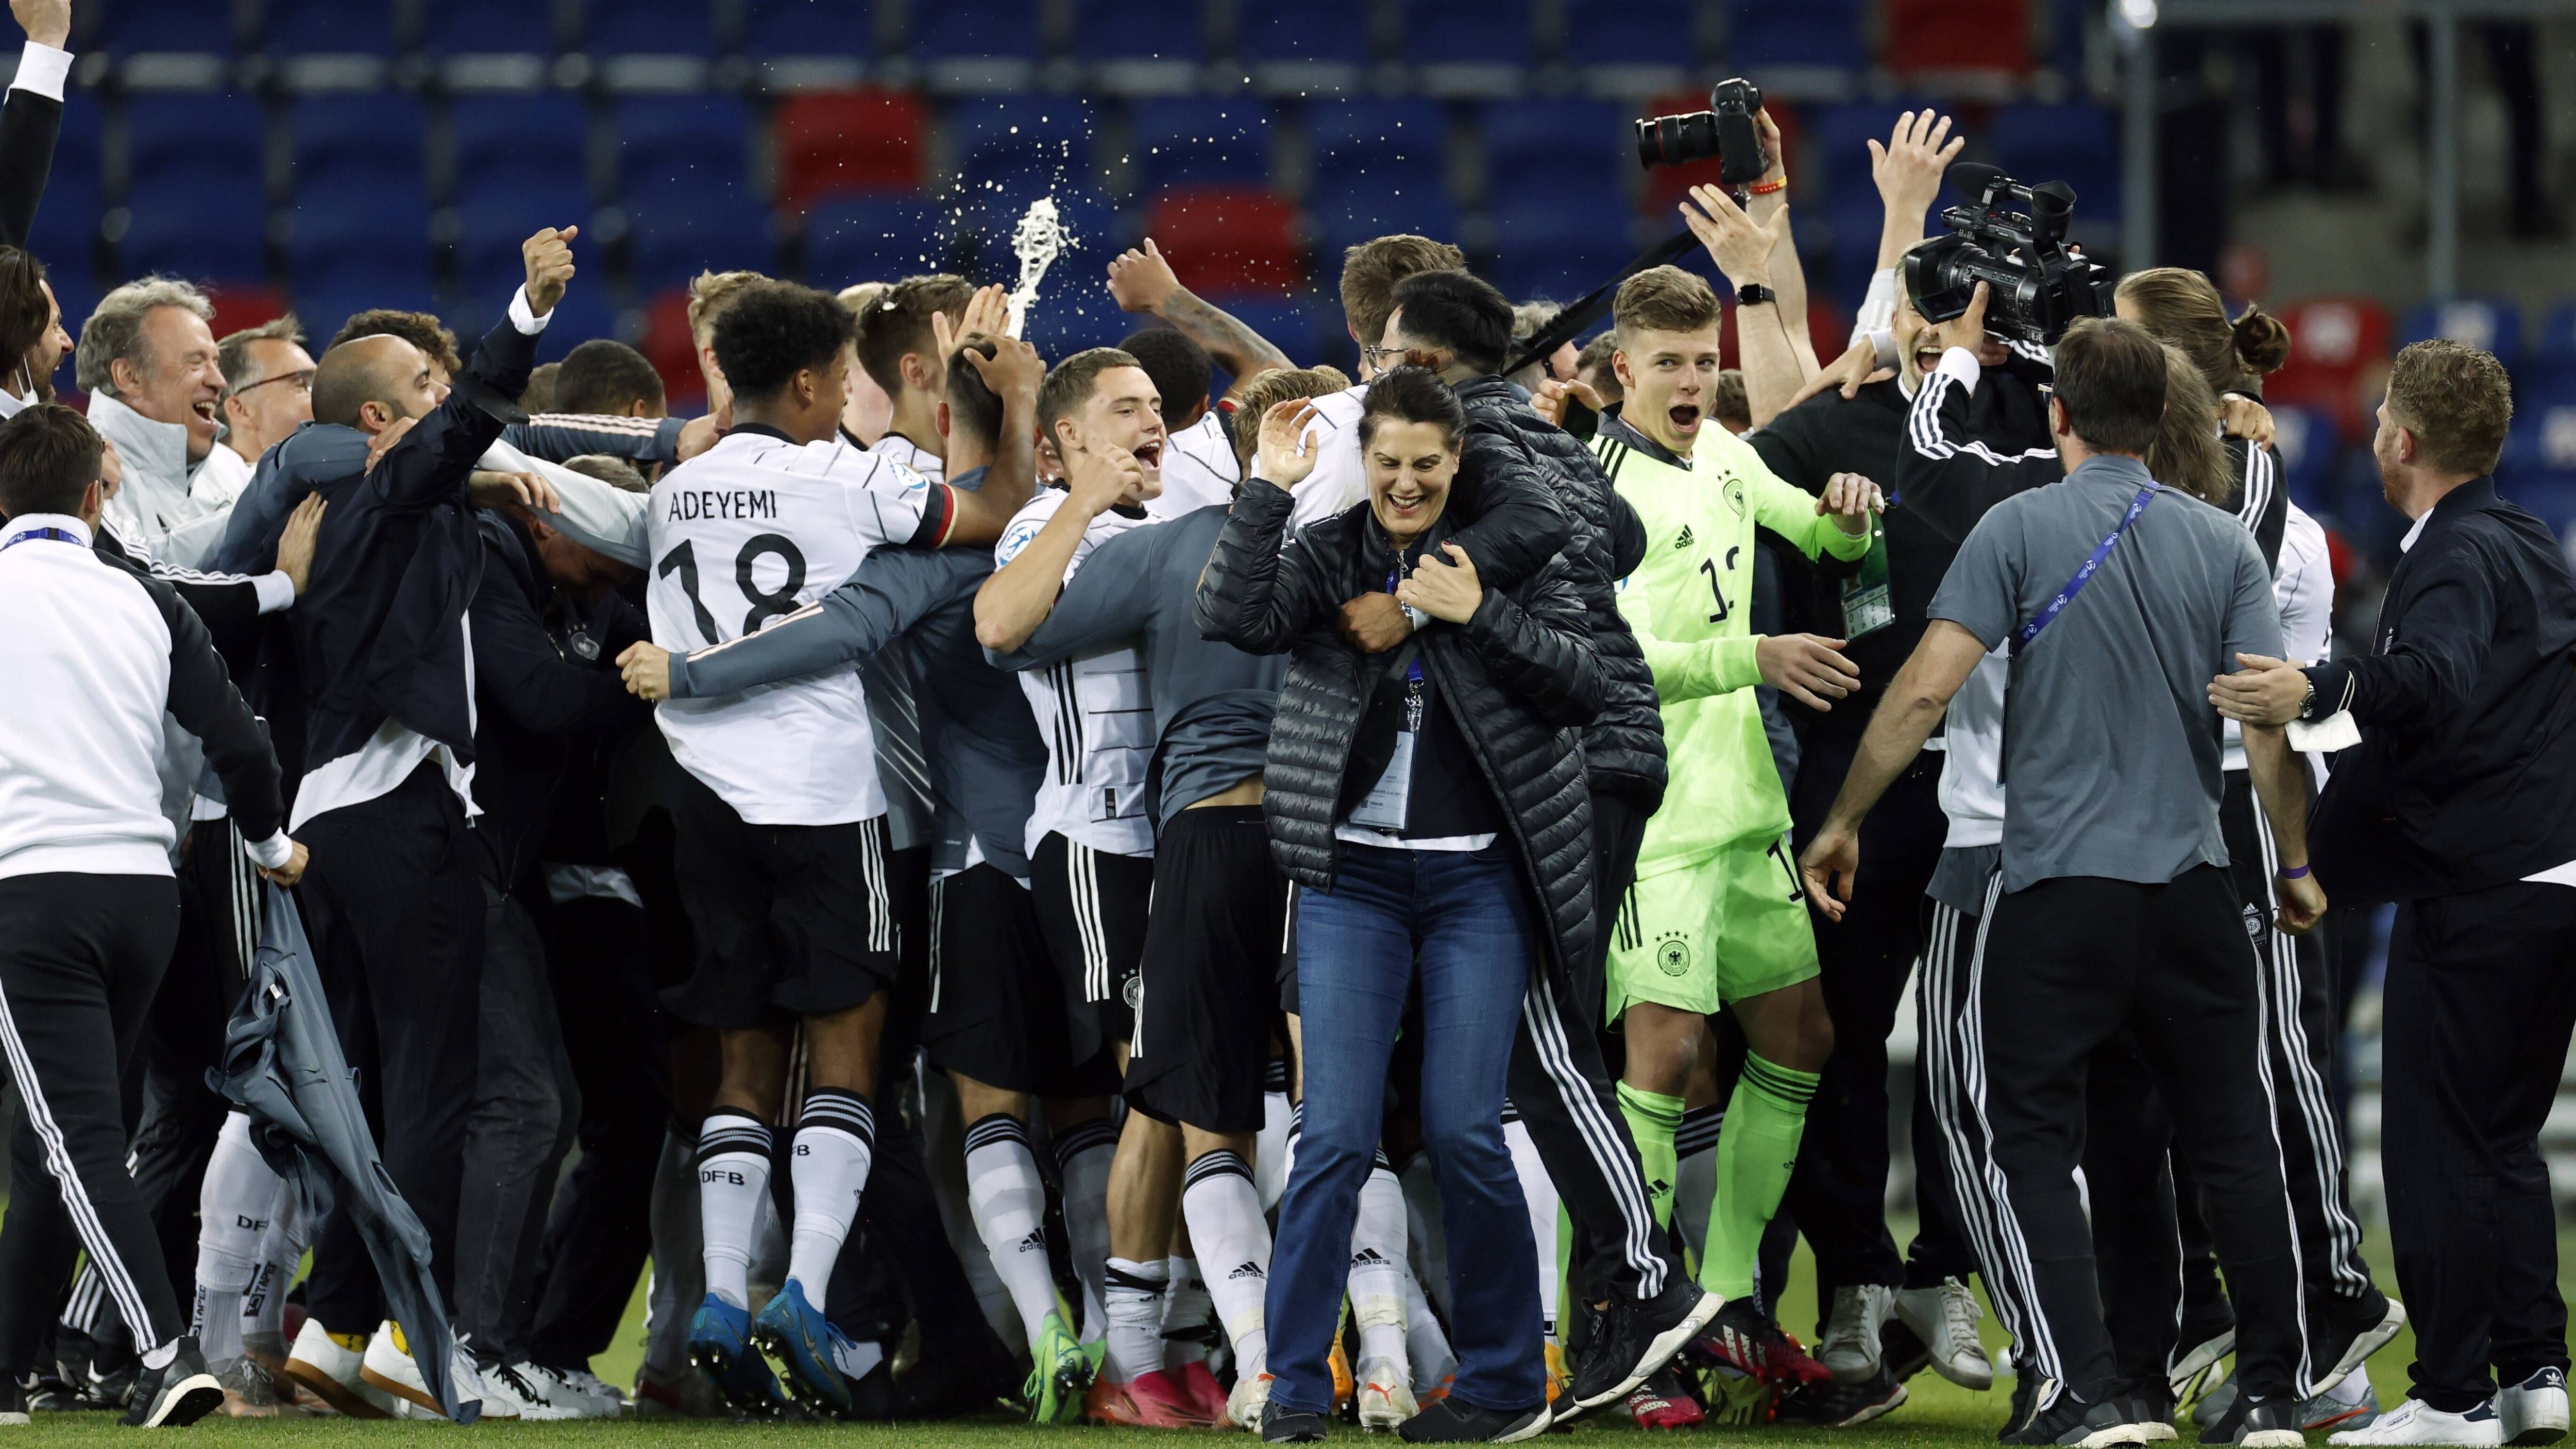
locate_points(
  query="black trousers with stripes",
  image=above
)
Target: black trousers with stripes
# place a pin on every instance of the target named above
(80, 959)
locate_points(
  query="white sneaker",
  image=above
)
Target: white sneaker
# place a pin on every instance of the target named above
(335, 1375)
(1945, 1317)
(518, 1391)
(1385, 1397)
(389, 1367)
(2416, 1422)
(1851, 1350)
(1251, 1395)
(2535, 1410)
(584, 1391)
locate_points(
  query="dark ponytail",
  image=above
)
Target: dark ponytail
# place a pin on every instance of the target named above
(2262, 340)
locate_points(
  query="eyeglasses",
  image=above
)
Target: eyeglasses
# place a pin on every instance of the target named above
(303, 382)
(1380, 359)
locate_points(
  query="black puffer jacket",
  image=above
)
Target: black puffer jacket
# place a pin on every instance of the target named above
(1520, 676)
(1624, 747)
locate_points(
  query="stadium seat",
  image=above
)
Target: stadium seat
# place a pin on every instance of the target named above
(1357, 215)
(1631, 32)
(375, 226)
(584, 313)
(696, 141)
(168, 233)
(2492, 324)
(328, 27)
(1290, 324)
(851, 239)
(490, 224)
(996, 136)
(1808, 34)
(2553, 343)
(1229, 241)
(508, 142)
(324, 310)
(358, 135)
(2076, 142)
(1138, 29)
(1957, 35)
(832, 142)
(2334, 341)
(2539, 466)
(806, 27)
(1472, 32)
(2305, 439)
(677, 229)
(1338, 32)
(1579, 149)
(132, 26)
(168, 134)
(66, 229)
(487, 27)
(648, 27)
(1552, 252)
(1383, 147)
(1198, 140)
(976, 29)
(1837, 141)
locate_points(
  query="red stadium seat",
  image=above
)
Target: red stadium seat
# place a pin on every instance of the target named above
(2335, 344)
(672, 352)
(241, 305)
(834, 142)
(1229, 240)
(1957, 35)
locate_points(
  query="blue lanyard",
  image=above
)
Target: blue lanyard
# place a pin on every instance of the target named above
(63, 535)
(2056, 606)
(1413, 666)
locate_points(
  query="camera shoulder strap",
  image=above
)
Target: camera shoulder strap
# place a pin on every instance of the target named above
(2048, 612)
(1569, 324)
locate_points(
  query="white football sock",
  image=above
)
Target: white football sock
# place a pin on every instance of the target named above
(1082, 1155)
(1270, 1145)
(2352, 1388)
(1695, 1173)
(241, 1195)
(1427, 1241)
(733, 1179)
(1538, 1190)
(1424, 1343)
(1135, 1313)
(1186, 1309)
(1227, 1228)
(836, 1138)
(1377, 1265)
(1009, 1202)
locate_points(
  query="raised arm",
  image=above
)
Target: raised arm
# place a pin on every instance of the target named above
(435, 460)
(31, 118)
(893, 590)
(1143, 282)
(1775, 358)
(1250, 596)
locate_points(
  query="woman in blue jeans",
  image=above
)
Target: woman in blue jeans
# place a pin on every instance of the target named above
(1421, 796)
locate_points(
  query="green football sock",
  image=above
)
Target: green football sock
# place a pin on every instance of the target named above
(1652, 1119)
(1755, 1154)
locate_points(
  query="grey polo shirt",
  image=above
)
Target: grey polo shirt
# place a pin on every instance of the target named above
(2111, 748)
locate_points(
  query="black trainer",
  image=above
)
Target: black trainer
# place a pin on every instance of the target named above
(2066, 1419)
(948, 1386)
(1902, 1351)
(1281, 1424)
(1832, 1405)
(13, 1403)
(1634, 1338)
(2025, 1396)
(179, 1392)
(2271, 1423)
(2361, 1327)
(2150, 1407)
(1452, 1422)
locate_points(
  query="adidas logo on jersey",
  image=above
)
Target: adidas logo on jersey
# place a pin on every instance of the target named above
(1685, 540)
(1247, 1270)
(1033, 1243)
(1368, 1258)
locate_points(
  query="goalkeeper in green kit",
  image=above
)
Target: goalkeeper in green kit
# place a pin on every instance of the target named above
(1717, 916)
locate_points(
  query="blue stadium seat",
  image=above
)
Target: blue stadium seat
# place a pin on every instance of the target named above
(1838, 139)
(1374, 146)
(2075, 142)
(1336, 31)
(359, 135)
(1545, 250)
(1803, 33)
(371, 226)
(2553, 342)
(485, 27)
(2491, 323)
(2306, 441)
(1357, 216)
(1495, 32)
(323, 310)
(1578, 147)
(1132, 29)
(490, 225)
(516, 142)
(168, 133)
(168, 232)
(66, 229)
(648, 27)
(1631, 32)
(806, 27)
(1200, 138)
(148, 25)
(995, 136)
(588, 310)
(1292, 325)
(1851, 255)
(870, 239)
(328, 27)
(967, 29)
(2539, 466)
(678, 229)
(666, 139)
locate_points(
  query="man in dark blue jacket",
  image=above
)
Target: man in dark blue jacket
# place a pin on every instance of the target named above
(386, 654)
(2459, 803)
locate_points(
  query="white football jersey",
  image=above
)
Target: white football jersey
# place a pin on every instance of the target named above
(1198, 469)
(1094, 712)
(745, 534)
(1340, 478)
(1972, 741)
(921, 460)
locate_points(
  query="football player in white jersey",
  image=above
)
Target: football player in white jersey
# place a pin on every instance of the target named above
(781, 848)
(903, 345)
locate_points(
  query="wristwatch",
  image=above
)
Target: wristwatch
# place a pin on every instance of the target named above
(1754, 294)
(2308, 702)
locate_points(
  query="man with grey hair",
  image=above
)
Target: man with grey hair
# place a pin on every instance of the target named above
(147, 358)
(268, 385)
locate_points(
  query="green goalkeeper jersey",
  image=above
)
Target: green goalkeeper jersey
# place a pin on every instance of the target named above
(1687, 603)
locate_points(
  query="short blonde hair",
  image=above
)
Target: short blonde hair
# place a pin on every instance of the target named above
(1371, 270)
(1268, 390)
(1664, 299)
(709, 294)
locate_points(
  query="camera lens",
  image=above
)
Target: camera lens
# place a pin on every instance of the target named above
(1672, 140)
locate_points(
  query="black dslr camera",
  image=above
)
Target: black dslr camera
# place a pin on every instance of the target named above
(1725, 130)
(2036, 288)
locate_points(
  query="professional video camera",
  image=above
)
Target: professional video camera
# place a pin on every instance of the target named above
(2036, 288)
(1725, 130)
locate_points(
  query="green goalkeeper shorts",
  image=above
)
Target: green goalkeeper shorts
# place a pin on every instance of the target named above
(1718, 930)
